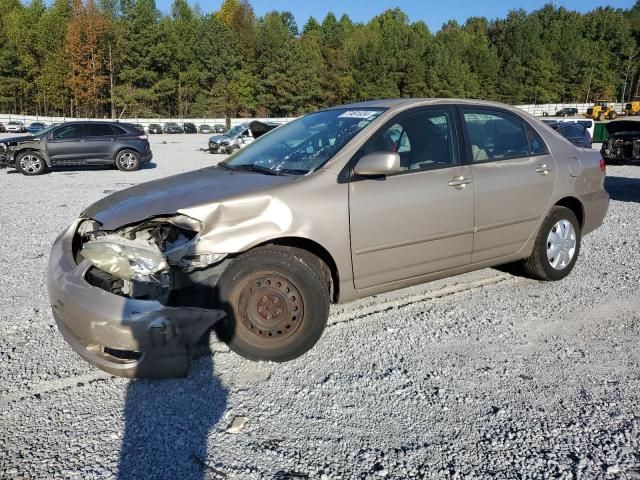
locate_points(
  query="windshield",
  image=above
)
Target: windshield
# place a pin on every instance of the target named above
(45, 131)
(305, 144)
(237, 130)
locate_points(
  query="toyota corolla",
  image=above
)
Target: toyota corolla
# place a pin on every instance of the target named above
(340, 204)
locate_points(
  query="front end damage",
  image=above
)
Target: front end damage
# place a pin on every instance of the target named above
(623, 144)
(135, 301)
(9, 147)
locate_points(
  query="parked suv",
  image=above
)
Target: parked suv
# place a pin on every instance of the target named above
(567, 112)
(77, 143)
(172, 128)
(189, 128)
(337, 205)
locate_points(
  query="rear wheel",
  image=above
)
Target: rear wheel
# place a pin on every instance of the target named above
(276, 301)
(557, 246)
(128, 160)
(613, 115)
(30, 163)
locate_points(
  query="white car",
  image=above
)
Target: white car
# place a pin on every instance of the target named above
(16, 127)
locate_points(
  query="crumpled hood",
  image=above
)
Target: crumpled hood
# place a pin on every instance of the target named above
(218, 138)
(619, 126)
(167, 196)
(21, 138)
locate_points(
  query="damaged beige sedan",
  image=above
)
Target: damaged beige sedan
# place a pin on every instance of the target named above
(340, 204)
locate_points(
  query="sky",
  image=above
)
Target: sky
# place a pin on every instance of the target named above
(434, 13)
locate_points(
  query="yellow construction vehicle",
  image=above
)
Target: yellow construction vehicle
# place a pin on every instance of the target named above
(633, 108)
(601, 111)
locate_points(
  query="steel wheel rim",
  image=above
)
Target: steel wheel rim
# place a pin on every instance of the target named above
(30, 164)
(128, 160)
(271, 307)
(561, 244)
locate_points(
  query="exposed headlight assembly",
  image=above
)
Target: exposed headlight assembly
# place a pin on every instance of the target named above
(124, 261)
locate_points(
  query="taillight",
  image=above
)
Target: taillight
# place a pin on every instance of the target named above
(603, 165)
(141, 137)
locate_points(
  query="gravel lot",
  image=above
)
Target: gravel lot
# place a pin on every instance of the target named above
(480, 375)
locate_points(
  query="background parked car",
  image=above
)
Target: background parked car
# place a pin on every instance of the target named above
(567, 112)
(2, 129)
(172, 128)
(155, 128)
(219, 128)
(623, 144)
(35, 127)
(189, 128)
(77, 143)
(239, 136)
(205, 128)
(574, 132)
(15, 127)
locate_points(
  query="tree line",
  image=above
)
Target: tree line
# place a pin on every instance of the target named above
(126, 58)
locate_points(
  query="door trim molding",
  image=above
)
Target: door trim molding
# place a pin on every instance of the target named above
(415, 241)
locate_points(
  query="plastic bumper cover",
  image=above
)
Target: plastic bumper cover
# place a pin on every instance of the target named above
(122, 336)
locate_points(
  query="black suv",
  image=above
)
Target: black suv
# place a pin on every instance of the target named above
(567, 112)
(189, 128)
(77, 143)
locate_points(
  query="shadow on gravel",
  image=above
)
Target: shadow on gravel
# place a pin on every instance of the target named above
(623, 189)
(167, 423)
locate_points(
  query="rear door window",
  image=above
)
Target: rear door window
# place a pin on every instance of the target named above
(496, 135)
(101, 130)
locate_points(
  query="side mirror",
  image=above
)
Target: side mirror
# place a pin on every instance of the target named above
(378, 163)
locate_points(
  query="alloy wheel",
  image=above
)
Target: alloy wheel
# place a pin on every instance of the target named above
(30, 163)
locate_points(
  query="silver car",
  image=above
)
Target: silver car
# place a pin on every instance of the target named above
(340, 204)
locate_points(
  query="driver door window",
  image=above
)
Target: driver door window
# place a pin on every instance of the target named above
(424, 140)
(68, 132)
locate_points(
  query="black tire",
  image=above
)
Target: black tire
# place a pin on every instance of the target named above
(277, 303)
(30, 163)
(613, 115)
(538, 265)
(127, 160)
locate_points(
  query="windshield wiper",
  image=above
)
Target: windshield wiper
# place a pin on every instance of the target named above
(226, 166)
(258, 169)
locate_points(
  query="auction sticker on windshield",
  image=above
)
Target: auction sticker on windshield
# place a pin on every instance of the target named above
(359, 114)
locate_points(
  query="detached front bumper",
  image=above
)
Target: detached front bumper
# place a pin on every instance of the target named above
(125, 337)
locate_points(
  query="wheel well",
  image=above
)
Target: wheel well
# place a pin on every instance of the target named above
(124, 148)
(575, 206)
(317, 250)
(34, 150)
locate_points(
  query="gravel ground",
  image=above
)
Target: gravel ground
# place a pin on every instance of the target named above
(480, 375)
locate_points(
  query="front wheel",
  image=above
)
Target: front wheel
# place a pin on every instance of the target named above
(277, 303)
(613, 115)
(557, 246)
(30, 163)
(128, 161)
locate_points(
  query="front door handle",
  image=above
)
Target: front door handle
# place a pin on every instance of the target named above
(459, 182)
(543, 169)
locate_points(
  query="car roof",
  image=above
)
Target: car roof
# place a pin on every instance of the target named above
(401, 103)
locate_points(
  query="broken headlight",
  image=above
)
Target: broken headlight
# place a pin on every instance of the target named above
(124, 261)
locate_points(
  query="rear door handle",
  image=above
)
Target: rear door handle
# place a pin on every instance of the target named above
(543, 169)
(459, 182)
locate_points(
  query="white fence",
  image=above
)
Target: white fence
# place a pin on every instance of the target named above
(537, 110)
(27, 119)
(551, 108)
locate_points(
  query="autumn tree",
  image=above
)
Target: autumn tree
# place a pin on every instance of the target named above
(85, 51)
